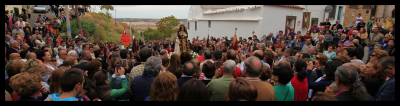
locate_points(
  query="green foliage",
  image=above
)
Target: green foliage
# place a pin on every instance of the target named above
(105, 16)
(110, 7)
(167, 25)
(88, 26)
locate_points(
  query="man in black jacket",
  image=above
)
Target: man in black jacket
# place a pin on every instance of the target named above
(338, 25)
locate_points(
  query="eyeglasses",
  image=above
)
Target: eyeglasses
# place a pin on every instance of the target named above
(351, 45)
(317, 58)
(386, 37)
(372, 55)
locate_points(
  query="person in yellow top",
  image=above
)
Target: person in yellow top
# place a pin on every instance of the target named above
(363, 35)
(388, 23)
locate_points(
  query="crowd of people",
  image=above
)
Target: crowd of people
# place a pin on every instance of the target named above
(323, 65)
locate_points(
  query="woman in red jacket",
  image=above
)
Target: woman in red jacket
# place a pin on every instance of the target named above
(299, 81)
(169, 49)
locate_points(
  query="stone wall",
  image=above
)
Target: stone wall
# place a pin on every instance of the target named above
(348, 15)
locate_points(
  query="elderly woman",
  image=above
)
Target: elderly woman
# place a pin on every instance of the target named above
(374, 78)
(346, 78)
(39, 42)
(377, 54)
(384, 43)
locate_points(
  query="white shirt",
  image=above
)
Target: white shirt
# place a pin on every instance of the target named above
(201, 64)
(358, 19)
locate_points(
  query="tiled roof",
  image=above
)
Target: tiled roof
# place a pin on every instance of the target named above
(291, 6)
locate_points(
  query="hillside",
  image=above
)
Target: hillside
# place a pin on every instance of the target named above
(115, 29)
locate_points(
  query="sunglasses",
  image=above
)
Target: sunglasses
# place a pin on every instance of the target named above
(316, 58)
(351, 46)
(373, 55)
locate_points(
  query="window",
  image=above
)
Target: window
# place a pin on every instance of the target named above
(333, 12)
(367, 6)
(353, 6)
(188, 26)
(195, 25)
(209, 24)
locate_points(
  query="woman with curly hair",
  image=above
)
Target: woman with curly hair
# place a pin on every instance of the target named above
(28, 87)
(164, 88)
(197, 72)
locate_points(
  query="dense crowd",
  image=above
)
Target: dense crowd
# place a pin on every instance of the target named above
(323, 65)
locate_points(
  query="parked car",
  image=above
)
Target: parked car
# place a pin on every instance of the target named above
(41, 8)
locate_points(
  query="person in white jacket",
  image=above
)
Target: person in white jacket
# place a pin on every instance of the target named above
(39, 42)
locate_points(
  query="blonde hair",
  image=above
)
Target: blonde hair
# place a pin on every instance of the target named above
(26, 84)
(380, 53)
(389, 35)
(70, 61)
(33, 63)
(14, 67)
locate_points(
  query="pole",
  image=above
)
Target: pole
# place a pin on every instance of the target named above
(108, 34)
(130, 28)
(67, 20)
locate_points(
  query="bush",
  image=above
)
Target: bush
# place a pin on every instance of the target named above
(88, 26)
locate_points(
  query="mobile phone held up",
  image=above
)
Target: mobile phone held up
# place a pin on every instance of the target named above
(118, 67)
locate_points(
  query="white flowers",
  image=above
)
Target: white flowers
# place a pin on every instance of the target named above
(193, 54)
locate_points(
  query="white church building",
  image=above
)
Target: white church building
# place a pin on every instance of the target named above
(221, 20)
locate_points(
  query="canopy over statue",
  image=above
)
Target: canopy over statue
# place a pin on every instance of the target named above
(125, 39)
(183, 35)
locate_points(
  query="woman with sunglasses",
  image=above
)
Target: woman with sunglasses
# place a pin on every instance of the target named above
(377, 54)
(385, 40)
(68, 40)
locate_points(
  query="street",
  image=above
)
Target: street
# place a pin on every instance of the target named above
(34, 17)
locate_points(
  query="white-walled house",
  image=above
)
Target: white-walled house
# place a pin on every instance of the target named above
(221, 20)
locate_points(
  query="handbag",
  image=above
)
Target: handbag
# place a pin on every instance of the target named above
(286, 93)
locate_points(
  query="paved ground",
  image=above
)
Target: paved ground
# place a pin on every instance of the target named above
(34, 17)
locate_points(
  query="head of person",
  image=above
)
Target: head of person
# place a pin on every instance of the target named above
(347, 77)
(313, 50)
(26, 84)
(378, 54)
(14, 68)
(164, 87)
(92, 67)
(308, 41)
(72, 81)
(188, 68)
(71, 61)
(153, 64)
(300, 67)
(253, 67)
(54, 85)
(282, 74)
(144, 54)
(193, 90)
(185, 56)
(44, 56)
(321, 96)
(321, 58)
(229, 67)
(241, 89)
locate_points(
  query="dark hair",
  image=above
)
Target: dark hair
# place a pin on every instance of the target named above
(70, 45)
(208, 69)
(301, 66)
(165, 61)
(70, 78)
(306, 55)
(84, 45)
(386, 61)
(261, 57)
(77, 40)
(23, 53)
(193, 90)
(144, 53)
(207, 54)
(269, 55)
(217, 55)
(284, 72)
(40, 54)
(231, 47)
(123, 53)
(185, 56)
(92, 67)
(188, 71)
(97, 53)
(331, 45)
(231, 55)
(330, 69)
(351, 52)
(115, 48)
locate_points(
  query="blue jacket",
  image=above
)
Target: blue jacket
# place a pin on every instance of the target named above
(387, 91)
(141, 85)
(317, 86)
(273, 39)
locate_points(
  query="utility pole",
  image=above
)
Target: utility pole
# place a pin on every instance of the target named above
(130, 28)
(108, 34)
(67, 20)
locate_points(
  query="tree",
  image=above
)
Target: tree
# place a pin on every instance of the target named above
(152, 34)
(78, 20)
(167, 25)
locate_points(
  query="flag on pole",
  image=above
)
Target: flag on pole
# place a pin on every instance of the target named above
(236, 42)
(125, 39)
(208, 37)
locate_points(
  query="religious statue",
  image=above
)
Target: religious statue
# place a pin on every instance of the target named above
(125, 39)
(183, 35)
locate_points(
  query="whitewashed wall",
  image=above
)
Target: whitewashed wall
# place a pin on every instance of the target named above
(274, 19)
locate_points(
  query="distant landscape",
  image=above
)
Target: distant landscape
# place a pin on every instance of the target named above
(143, 23)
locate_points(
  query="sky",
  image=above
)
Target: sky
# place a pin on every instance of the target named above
(147, 11)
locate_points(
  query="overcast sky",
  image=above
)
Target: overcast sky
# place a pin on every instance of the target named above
(147, 11)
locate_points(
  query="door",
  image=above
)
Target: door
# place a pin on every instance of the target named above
(314, 20)
(339, 13)
(291, 21)
(373, 11)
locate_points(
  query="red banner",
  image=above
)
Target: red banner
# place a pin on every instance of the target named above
(125, 38)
